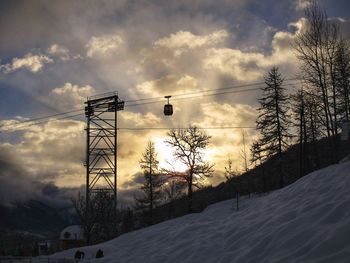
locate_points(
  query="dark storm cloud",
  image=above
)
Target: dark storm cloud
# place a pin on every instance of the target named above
(127, 197)
(135, 181)
(18, 185)
(36, 24)
(14, 183)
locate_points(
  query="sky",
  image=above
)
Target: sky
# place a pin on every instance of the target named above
(54, 54)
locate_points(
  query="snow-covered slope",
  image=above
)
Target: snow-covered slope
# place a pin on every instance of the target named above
(308, 221)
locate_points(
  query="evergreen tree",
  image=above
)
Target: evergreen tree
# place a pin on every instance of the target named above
(273, 120)
(152, 193)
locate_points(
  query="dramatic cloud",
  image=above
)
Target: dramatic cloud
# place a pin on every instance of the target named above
(227, 143)
(170, 83)
(59, 51)
(104, 45)
(17, 184)
(139, 119)
(184, 40)
(135, 181)
(302, 4)
(31, 62)
(251, 66)
(53, 152)
(71, 96)
(235, 63)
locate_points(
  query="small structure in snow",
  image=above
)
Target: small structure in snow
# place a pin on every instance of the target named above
(72, 236)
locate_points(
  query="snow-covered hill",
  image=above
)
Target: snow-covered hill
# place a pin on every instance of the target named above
(308, 221)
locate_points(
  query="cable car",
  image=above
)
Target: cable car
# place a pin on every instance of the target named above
(168, 108)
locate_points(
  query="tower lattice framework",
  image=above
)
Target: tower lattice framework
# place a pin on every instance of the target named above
(101, 151)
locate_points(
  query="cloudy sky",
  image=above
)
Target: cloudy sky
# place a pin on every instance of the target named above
(53, 54)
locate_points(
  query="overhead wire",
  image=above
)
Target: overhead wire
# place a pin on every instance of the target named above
(46, 116)
(184, 128)
(200, 95)
(19, 126)
(209, 90)
(176, 97)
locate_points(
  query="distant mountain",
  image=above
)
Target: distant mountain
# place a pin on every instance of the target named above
(35, 217)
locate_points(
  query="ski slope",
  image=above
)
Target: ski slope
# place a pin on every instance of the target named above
(308, 221)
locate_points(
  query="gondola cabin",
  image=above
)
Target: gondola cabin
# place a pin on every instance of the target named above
(168, 108)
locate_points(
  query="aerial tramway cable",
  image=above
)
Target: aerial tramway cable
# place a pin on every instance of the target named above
(130, 103)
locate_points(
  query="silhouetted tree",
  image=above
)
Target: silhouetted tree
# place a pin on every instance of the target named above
(298, 112)
(273, 121)
(81, 210)
(258, 158)
(127, 223)
(243, 153)
(152, 193)
(316, 46)
(173, 189)
(189, 145)
(99, 218)
(230, 173)
(106, 226)
(244, 156)
(342, 79)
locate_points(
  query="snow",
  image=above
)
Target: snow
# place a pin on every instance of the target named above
(308, 221)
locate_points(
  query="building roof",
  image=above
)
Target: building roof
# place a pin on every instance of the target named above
(72, 232)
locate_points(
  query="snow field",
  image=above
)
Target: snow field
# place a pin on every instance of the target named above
(308, 221)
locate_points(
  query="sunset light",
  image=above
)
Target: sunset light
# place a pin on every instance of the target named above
(204, 127)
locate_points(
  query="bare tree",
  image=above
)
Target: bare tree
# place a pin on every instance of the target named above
(99, 218)
(82, 211)
(105, 213)
(313, 123)
(258, 158)
(342, 79)
(189, 145)
(298, 113)
(244, 154)
(173, 189)
(316, 47)
(230, 173)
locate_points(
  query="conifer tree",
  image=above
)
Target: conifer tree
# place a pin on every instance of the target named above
(273, 120)
(152, 193)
